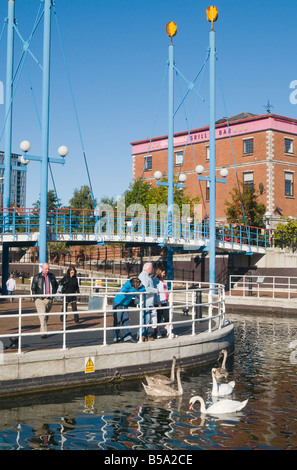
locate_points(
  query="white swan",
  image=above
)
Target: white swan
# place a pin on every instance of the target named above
(221, 372)
(162, 379)
(220, 407)
(220, 390)
(163, 390)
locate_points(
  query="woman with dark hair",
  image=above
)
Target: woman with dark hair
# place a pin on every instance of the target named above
(161, 301)
(70, 286)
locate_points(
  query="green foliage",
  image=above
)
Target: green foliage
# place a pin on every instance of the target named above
(254, 210)
(52, 202)
(144, 193)
(285, 234)
(82, 198)
(57, 250)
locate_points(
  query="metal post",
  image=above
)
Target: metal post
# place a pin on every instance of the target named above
(170, 159)
(212, 162)
(45, 133)
(8, 138)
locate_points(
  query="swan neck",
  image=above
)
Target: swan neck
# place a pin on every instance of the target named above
(179, 385)
(172, 371)
(224, 360)
(203, 409)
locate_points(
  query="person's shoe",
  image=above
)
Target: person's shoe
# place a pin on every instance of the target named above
(173, 335)
(129, 340)
(159, 336)
(150, 338)
(76, 318)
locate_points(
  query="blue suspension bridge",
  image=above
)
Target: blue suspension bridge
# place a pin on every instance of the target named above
(32, 226)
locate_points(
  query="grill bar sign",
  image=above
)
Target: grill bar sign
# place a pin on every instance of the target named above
(89, 365)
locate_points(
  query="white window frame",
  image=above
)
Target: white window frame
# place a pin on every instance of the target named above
(291, 179)
(245, 141)
(178, 157)
(291, 151)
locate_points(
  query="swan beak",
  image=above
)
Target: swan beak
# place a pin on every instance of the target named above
(191, 406)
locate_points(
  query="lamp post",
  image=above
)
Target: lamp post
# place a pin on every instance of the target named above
(25, 159)
(8, 134)
(171, 31)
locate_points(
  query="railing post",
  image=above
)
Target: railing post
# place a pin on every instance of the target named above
(210, 298)
(20, 327)
(64, 321)
(140, 317)
(193, 313)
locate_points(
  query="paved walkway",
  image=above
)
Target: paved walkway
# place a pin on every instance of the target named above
(78, 334)
(31, 324)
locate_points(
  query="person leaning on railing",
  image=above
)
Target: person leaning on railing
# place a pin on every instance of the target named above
(44, 283)
(120, 315)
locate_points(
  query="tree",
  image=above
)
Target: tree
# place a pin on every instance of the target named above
(82, 199)
(285, 234)
(52, 201)
(253, 209)
(142, 192)
(57, 249)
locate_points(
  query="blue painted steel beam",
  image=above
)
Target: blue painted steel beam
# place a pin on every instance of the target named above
(212, 161)
(170, 156)
(8, 137)
(45, 132)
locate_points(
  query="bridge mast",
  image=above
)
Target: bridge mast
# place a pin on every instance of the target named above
(8, 138)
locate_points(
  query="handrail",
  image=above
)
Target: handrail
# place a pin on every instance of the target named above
(210, 298)
(117, 225)
(260, 285)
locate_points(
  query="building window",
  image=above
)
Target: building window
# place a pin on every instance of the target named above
(207, 191)
(248, 146)
(207, 153)
(148, 162)
(289, 184)
(288, 145)
(248, 179)
(179, 156)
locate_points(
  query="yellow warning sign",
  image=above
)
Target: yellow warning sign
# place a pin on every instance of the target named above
(89, 403)
(89, 365)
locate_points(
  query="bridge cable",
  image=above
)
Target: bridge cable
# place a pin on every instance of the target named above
(190, 86)
(233, 156)
(75, 108)
(152, 133)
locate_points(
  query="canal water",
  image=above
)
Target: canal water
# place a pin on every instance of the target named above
(120, 416)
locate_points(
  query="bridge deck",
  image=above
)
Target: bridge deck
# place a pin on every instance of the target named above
(21, 226)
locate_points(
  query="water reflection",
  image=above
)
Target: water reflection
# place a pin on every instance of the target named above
(121, 416)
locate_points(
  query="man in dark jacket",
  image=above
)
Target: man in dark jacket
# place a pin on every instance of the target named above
(44, 283)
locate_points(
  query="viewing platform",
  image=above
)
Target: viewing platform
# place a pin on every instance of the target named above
(76, 354)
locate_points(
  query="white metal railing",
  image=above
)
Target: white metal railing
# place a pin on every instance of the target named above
(188, 297)
(263, 286)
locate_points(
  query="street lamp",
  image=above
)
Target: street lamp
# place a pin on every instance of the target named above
(25, 159)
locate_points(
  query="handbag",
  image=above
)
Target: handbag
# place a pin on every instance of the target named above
(59, 291)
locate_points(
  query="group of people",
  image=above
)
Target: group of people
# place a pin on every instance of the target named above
(44, 284)
(155, 304)
(155, 301)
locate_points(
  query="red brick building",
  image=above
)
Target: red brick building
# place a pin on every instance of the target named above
(262, 150)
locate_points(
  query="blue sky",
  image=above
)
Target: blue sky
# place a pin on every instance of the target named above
(116, 53)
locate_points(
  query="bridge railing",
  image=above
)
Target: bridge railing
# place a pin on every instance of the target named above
(110, 225)
(274, 287)
(191, 311)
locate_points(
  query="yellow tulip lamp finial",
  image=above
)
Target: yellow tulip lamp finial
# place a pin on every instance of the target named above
(171, 30)
(212, 15)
